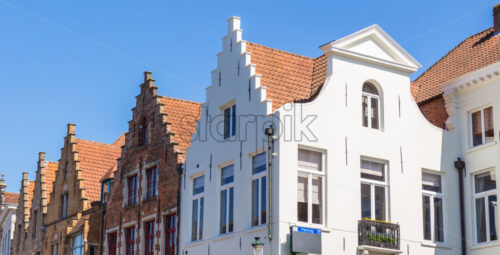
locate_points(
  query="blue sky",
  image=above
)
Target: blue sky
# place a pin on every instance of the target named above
(82, 61)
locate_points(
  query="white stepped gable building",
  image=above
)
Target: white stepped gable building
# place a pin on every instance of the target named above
(353, 158)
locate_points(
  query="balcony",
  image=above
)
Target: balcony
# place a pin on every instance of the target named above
(378, 236)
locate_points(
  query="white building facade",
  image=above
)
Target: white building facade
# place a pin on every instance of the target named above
(473, 103)
(355, 162)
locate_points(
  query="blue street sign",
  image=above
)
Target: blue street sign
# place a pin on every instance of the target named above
(309, 230)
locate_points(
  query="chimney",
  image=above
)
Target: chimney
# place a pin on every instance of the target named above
(496, 18)
(147, 76)
(71, 129)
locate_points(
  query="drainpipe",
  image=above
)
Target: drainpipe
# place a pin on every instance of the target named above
(269, 133)
(460, 166)
(180, 171)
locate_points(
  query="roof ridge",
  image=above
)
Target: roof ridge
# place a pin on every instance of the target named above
(448, 53)
(180, 100)
(282, 51)
(97, 143)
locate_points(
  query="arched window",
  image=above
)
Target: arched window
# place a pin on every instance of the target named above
(371, 106)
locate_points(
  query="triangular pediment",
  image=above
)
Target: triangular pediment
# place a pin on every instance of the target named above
(374, 45)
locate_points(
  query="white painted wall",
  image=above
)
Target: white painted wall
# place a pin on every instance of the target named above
(421, 145)
(463, 96)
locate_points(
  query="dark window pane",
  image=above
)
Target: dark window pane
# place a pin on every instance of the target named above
(317, 199)
(492, 218)
(374, 113)
(202, 208)
(370, 88)
(489, 133)
(380, 203)
(427, 217)
(194, 221)
(366, 201)
(364, 106)
(259, 163)
(263, 206)
(480, 220)
(438, 220)
(302, 198)
(223, 211)
(477, 130)
(231, 209)
(302, 211)
(255, 202)
(483, 182)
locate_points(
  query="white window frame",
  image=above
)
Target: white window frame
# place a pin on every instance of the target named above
(310, 174)
(484, 195)
(198, 197)
(258, 177)
(373, 184)
(432, 195)
(227, 187)
(471, 125)
(368, 105)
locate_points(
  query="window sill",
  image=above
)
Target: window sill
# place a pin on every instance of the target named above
(196, 243)
(128, 206)
(482, 146)
(432, 244)
(141, 147)
(485, 245)
(223, 237)
(148, 199)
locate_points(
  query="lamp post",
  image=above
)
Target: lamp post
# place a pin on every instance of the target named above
(258, 247)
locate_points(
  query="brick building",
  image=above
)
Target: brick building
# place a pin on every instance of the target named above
(141, 214)
(45, 175)
(22, 215)
(75, 201)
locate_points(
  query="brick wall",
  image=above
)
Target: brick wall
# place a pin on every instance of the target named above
(435, 111)
(161, 152)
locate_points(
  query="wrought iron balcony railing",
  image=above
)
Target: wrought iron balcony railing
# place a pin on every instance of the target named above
(378, 234)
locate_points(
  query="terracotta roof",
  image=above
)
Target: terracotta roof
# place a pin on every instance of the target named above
(288, 77)
(475, 52)
(120, 141)
(31, 189)
(182, 115)
(11, 198)
(95, 160)
(110, 174)
(50, 177)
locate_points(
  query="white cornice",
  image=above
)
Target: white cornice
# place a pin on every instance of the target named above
(402, 59)
(473, 79)
(374, 60)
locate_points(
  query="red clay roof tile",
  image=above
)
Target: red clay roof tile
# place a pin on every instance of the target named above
(50, 177)
(95, 160)
(11, 198)
(182, 114)
(475, 52)
(288, 77)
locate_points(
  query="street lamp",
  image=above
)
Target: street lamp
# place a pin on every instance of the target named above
(258, 247)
